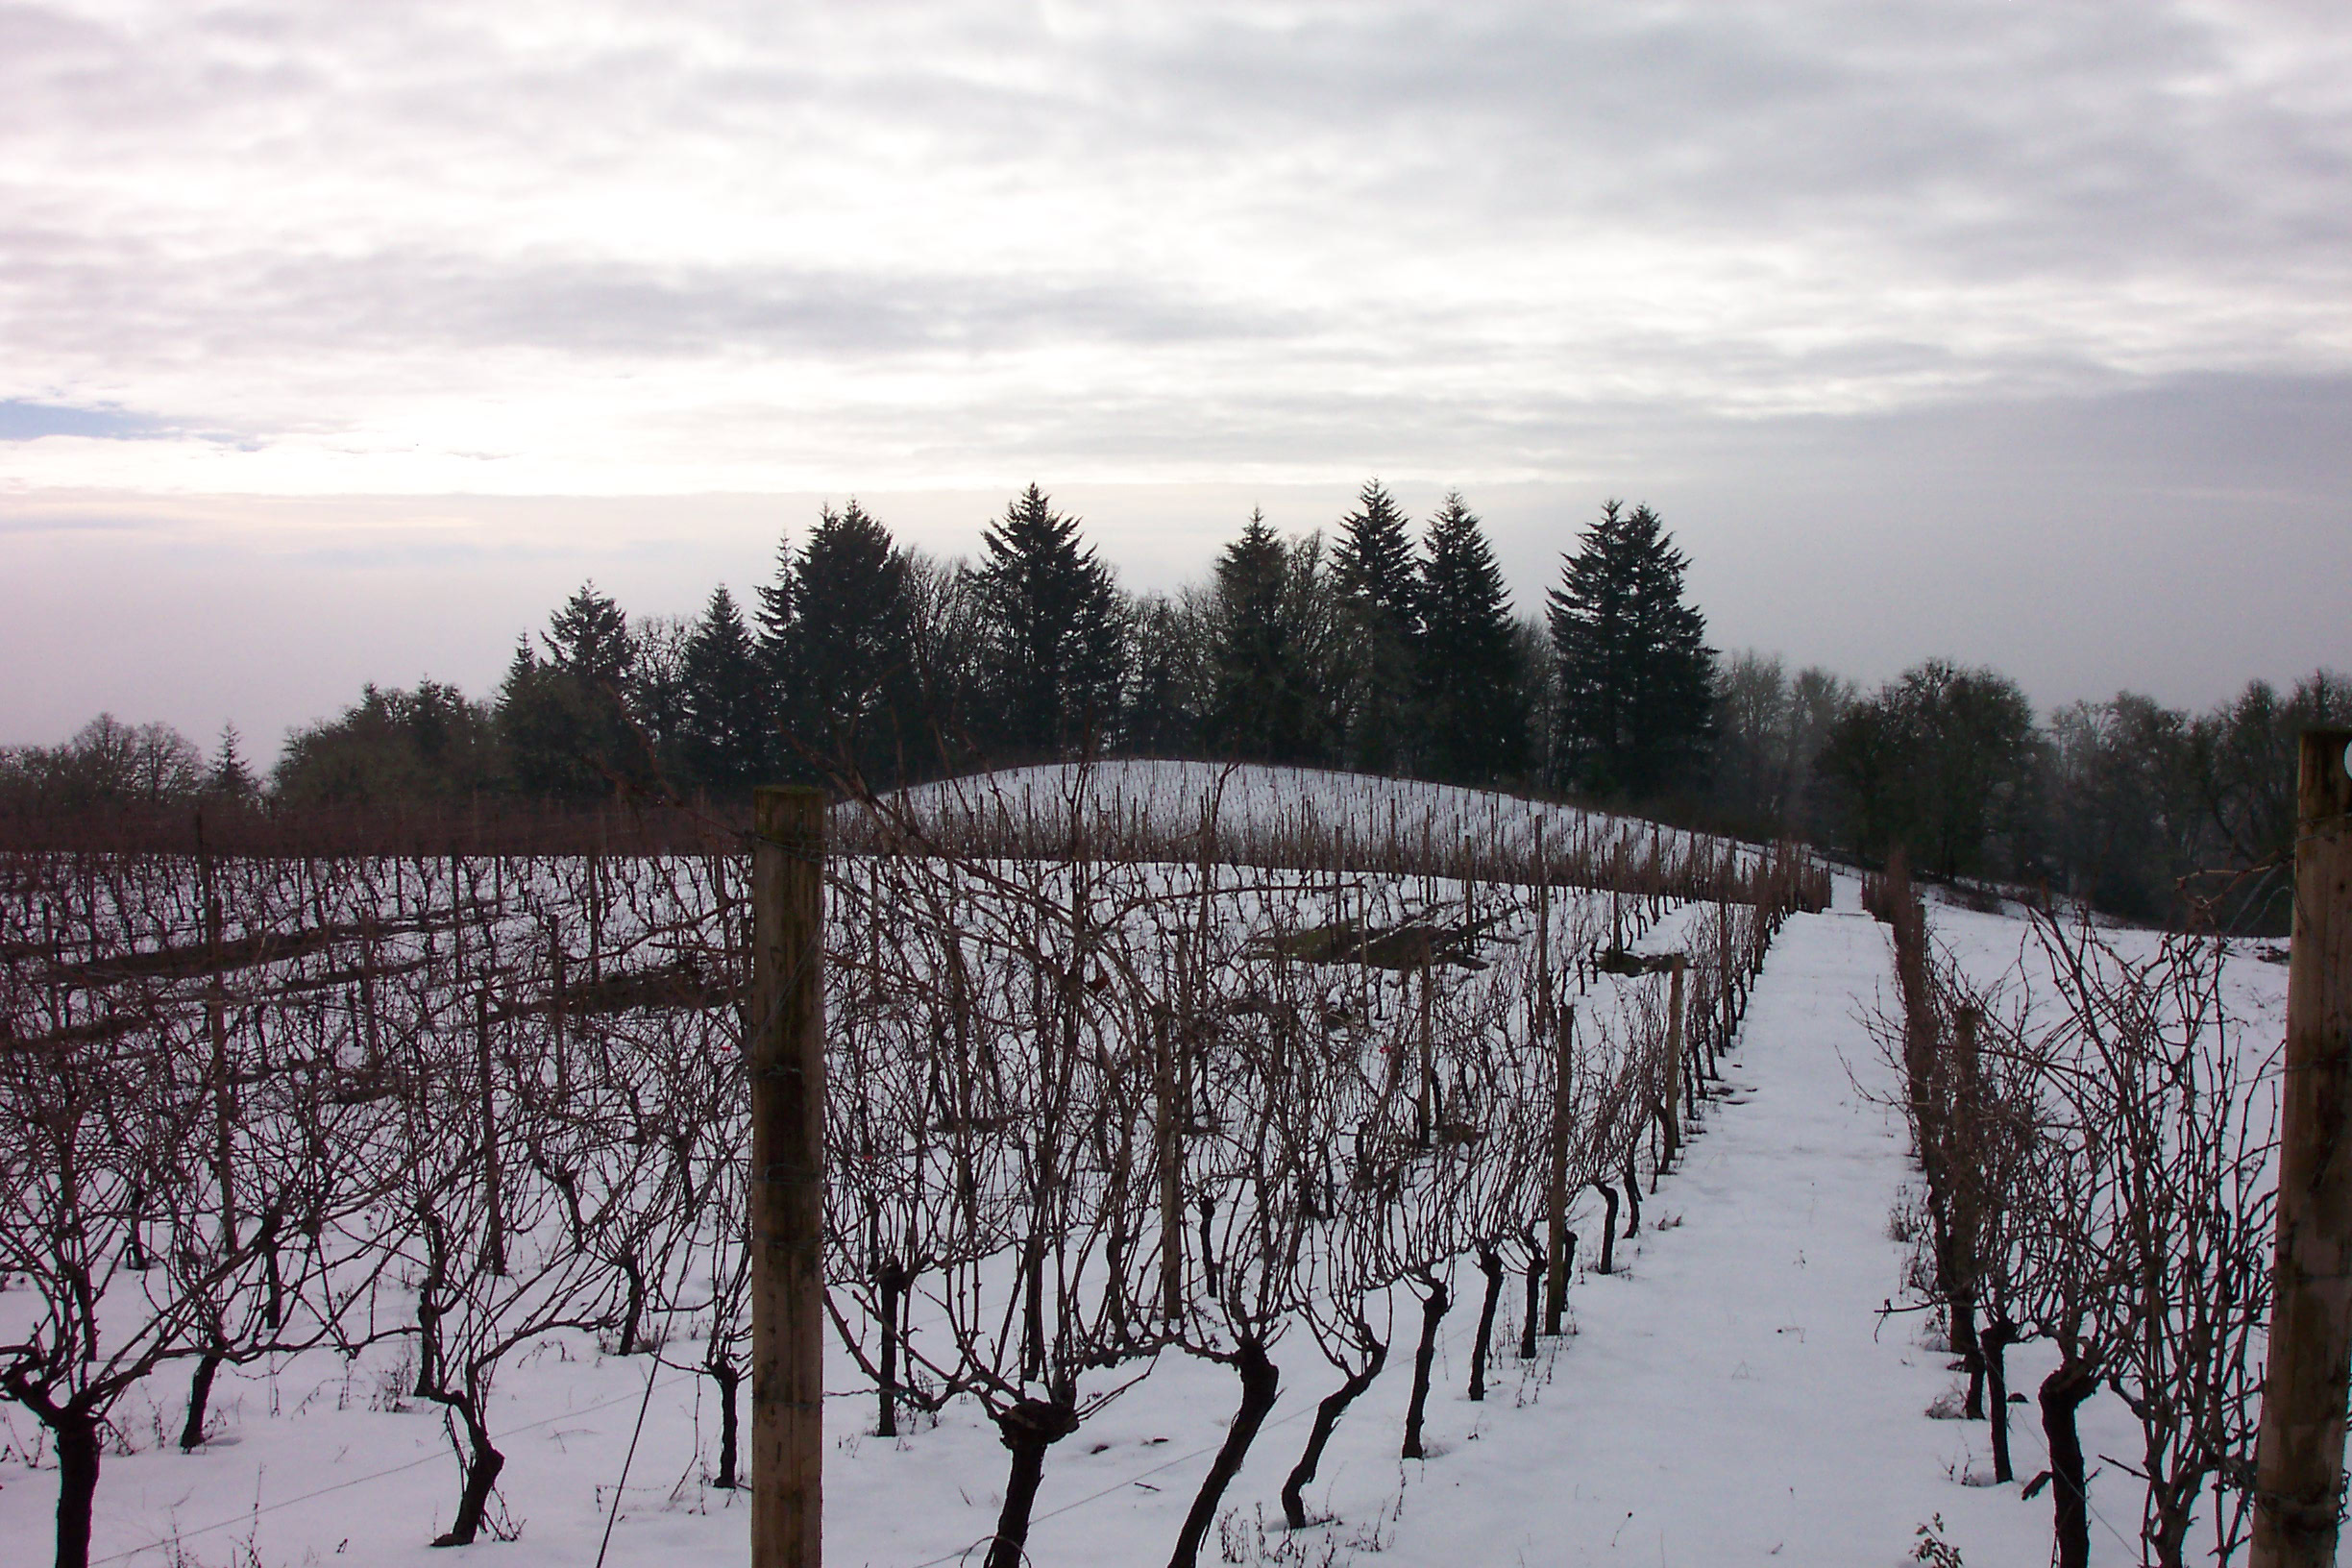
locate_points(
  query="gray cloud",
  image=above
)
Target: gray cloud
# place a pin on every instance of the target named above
(1817, 166)
(1897, 287)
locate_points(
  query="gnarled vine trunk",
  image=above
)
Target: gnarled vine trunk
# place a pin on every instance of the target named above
(1028, 1428)
(1261, 1382)
(1327, 1412)
(1433, 1306)
(2062, 1395)
(1490, 1265)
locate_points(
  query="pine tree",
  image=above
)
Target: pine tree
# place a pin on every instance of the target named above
(771, 614)
(1373, 566)
(1166, 678)
(852, 701)
(545, 727)
(723, 741)
(231, 778)
(1051, 632)
(568, 730)
(1473, 694)
(1269, 698)
(589, 638)
(1635, 674)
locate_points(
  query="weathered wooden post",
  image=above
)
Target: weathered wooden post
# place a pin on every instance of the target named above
(1542, 1011)
(216, 1030)
(1425, 1108)
(1670, 1105)
(1169, 1131)
(2299, 1455)
(494, 1229)
(1556, 1280)
(786, 1059)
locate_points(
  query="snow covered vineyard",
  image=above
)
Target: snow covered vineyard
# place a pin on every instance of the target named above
(1297, 818)
(421, 1180)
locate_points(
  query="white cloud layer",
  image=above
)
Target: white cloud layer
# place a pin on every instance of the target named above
(590, 248)
(1816, 278)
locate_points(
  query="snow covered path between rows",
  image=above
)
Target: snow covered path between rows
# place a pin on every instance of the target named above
(1735, 1397)
(1731, 1397)
(1731, 1394)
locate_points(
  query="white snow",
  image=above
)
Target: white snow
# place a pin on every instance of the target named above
(1732, 1395)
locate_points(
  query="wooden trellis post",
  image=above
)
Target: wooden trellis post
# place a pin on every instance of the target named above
(1556, 1281)
(786, 1061)
(2300, 1458)
(1670, 1107)
(1168, 1130)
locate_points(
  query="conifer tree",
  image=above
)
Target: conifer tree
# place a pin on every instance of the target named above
(1635, 674)
(723, 743)
(772, 617)
(543, 725)
(851, 699)
(1269, 694)
(589, 638)
(1473, 695)
(1051, 632)
(1165, 678)
(567, 729)
(1373, 567)
(232, 777)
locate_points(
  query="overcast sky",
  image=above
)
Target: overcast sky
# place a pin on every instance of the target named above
(339, 342)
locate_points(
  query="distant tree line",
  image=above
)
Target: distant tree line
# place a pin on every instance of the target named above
(107, 762)
(862, 657)
(1380, 648)
(2123, 803)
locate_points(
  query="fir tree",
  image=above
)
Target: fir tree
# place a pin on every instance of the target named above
(1473, 694)
(723, 741)
(772, 617)
(850, 659)
(1373, 567)
(1051, 632)
(567, 726)
(231, 779)
(1269, 699)
(590, 638)
(1635, 674)
(544, 726)
(1164, 698)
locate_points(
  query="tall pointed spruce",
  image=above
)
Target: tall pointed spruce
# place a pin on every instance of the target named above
(1267, 700)
(1373, 564)
(564, 721)
(1635, 674)
(851, 690)
(1473, 691)
(1050, 631)
(725, 733)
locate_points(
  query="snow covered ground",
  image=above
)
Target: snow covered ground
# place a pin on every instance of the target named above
(1732, 1395)
(1258, 807)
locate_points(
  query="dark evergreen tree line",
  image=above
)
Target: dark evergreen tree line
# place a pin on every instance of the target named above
(1389, 646)
(863, 659)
